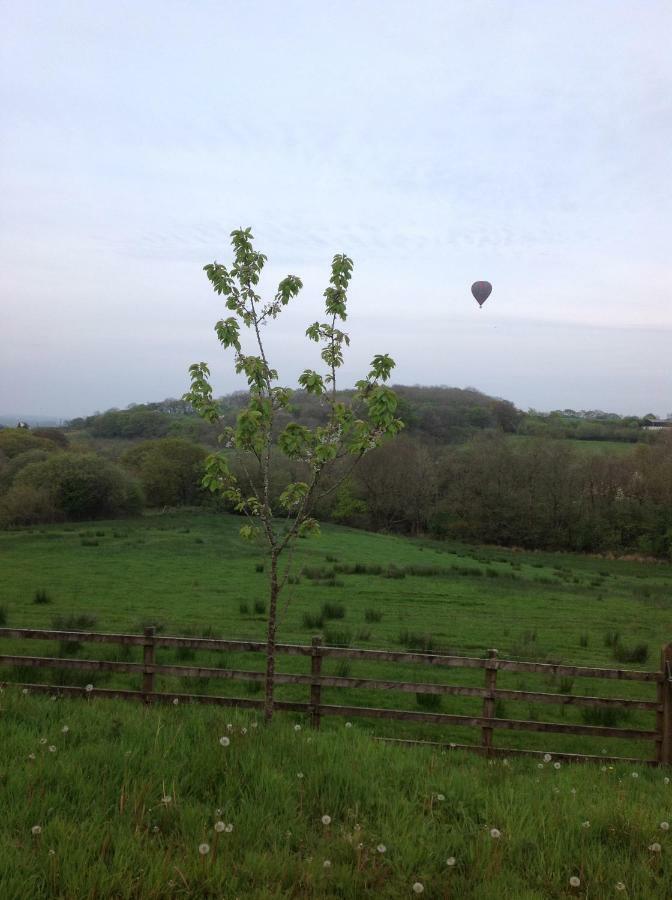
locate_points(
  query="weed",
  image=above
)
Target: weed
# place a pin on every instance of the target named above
(637, 654)
(259, 607)
(243, 608)
(312, 622)
(429, 702)
(41, 597)
(372, 615)
(259, 567)
(338, 637)
(332, 611)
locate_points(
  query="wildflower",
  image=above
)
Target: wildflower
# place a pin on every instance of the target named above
(229, 727)
(175, 701)
(224, 741)
(65, 729)
(655, 847)
(547, 757)
(52, 749)
(635, 775)
(556, 765)
(31, 756)
(219, 827)
(619, 886)
(155, 829)
(574, 881)
(326, 864)
(348, 724)
(440, 797)
(664, 826)
(418, 888)
(43, 740)
(243, 730)
(52, 853)
(88, 688)
(573, 791)
(495, 833)
(540, 765)
(326, 820)
(450, 861)
(24, 691)
(204, 849)
(253, 724)
(358, 827)
(299, 775)
(452, 746)
(36, 829)
(229, 828)
(585, 824)
(381, 848)
(297, 728)
(218, 812)
(505, 762)
(603, 768)
(666, 780)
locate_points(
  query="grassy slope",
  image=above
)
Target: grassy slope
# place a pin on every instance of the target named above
(192, 572)
(98, 801)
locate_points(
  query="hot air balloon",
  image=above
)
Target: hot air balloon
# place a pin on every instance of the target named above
(481, 291)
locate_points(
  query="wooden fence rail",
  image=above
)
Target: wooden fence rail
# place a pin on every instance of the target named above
(315, 681)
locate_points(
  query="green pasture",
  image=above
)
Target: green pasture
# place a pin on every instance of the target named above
(191, 574)
(106, 799)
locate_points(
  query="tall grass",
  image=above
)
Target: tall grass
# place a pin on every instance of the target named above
(129, 793)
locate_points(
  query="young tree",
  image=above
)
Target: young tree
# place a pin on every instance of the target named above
(351, 430)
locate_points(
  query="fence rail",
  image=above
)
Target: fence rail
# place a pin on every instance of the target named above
(487, 722)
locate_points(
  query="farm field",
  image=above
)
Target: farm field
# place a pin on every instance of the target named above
(109, 799)
(190, 574)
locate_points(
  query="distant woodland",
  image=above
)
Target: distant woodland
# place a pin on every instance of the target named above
(467, 467)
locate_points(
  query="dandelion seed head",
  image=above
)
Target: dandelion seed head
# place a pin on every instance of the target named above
(574, 881)
(381, 848)
(666, 780)
(655, 847)
(229, 828)
(253, 724)
(176, 701)
(88, 688)
(36, 829)
(204, 849)
(635, 775)
(450, 861)
(229, 727)
(155, 829)
(297, 728)
(556, 765)
(348, 724)
(440, 797)
(31, 756)
(664, 826)
(52, 749)
(299, 775)
(540, 765)
(52, 853)
(547, 757)
(585, 824)
(43, 740)
(24, 691)
(326, 864)
(619, 886)
(65, 729)
(418, 888)
(495, 833)
(219, 826)
(326, 820)
(224, 741)
(243, 730)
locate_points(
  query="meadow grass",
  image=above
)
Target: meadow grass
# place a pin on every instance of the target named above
(122, 803)
(190, 573)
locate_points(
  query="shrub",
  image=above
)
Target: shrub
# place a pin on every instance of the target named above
(83, 486)
(429, 702)
(637, 654)
(25, 505)
(312, 622)
(14, 441)
(372, 615)
(170, 470)
(41, 597)
(333, 611)
(338, 638)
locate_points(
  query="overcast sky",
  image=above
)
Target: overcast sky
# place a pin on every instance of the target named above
(519, 141)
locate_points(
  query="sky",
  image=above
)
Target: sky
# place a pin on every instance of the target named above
(436, 143)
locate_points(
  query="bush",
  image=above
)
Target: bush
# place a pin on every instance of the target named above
(14, 441)
(83, 486)
(25, 505)
(170, 470)
(333, 611)
(636, 654)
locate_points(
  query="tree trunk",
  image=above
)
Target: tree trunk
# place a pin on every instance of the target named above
(270, 640)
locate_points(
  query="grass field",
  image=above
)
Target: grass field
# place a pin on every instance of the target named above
(190, 573)
(103, 799)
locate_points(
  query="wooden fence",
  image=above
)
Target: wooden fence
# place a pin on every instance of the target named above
(487, 722)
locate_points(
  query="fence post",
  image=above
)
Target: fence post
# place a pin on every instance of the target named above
(489, 700)
(664, 714)
(147, 661)
(315, 689)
